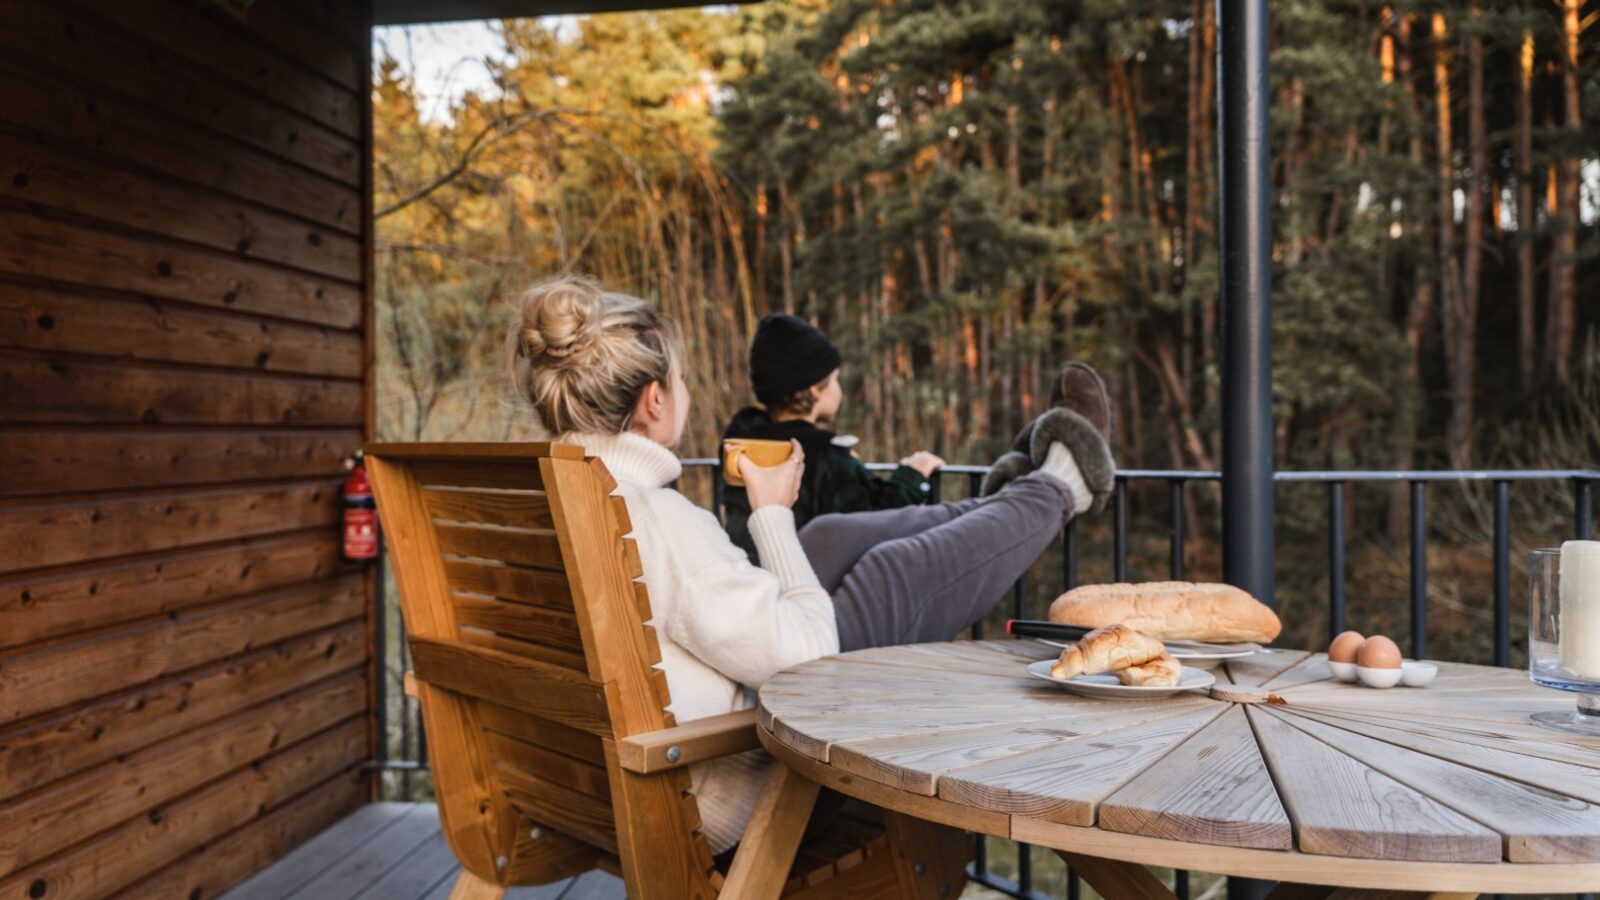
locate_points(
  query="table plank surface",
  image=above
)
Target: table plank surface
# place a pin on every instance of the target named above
(1326, 792)
(1538, 826)
(915, 762)
(1260, 668)
(1066, 783)
(1213, 788)
(1451, 784)
(1579, 781)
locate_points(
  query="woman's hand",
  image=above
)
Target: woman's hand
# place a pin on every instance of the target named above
(777, 485)
(924, 462)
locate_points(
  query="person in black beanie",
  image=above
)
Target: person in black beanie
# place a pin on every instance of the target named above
(794, 372)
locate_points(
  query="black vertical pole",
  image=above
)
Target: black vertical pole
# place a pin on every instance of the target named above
(1336, 565)
(1502, 573)
(1582, 510)
(1419, 571)
(1247, 533)
(380, 665)
(1246, 231)
(1175, 490)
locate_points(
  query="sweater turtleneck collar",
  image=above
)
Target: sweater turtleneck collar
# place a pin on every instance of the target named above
(631, 458)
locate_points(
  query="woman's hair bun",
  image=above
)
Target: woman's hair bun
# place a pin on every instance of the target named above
(561, 319)
(582, 355)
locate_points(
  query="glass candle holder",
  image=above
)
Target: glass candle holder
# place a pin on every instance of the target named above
(1564, 631)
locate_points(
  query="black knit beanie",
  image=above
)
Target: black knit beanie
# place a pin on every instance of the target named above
(787, 356)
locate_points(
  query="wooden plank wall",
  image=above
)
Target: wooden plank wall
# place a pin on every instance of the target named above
(184, 256)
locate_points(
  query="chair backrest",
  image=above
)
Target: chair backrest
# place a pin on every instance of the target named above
(526, 623)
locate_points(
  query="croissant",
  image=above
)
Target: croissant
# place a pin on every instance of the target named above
(1163, 671)
(1106, 650)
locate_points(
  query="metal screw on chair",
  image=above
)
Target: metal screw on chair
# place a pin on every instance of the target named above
(919, 868)
(500, 862)
(536, 833)
(674, 753)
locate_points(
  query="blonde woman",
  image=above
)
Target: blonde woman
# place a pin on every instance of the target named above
(604, 372)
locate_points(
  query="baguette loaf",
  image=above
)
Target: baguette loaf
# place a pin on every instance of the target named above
(1106, 650)
(1163, 671)
(1170, 611)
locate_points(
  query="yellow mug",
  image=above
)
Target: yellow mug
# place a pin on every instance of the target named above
(762, 453)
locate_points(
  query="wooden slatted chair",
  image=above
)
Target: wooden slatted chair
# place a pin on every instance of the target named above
(551, 747)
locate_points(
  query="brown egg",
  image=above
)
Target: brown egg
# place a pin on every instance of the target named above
(1378, 652)
(1344, 647)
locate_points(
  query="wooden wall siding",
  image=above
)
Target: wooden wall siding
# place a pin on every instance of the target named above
(185, 690)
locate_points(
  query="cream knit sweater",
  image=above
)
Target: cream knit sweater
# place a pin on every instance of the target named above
(725, 625)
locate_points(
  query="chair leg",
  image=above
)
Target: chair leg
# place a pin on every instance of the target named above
(766, 852)
(930, 859)
(471, 887)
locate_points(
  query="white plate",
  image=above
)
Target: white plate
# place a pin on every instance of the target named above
(1201, 656)
(1109, 688)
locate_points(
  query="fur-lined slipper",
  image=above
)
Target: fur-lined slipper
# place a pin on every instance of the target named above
(1007, 467)
(1089, 450)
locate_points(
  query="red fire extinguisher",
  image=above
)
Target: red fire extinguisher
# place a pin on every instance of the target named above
(360, 515)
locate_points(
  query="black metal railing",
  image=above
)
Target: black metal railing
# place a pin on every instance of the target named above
(389, 643)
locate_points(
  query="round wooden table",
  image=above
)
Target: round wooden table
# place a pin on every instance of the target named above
(1447, 788)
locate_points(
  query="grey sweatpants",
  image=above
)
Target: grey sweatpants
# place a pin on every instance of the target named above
(925, 573)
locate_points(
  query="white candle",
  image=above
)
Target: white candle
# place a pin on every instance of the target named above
(1580, 608)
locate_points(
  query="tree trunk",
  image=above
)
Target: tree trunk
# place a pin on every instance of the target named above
(1419, 310)
(1047, 167)
(1208, 165)
(761, 250)
(919, 244)
(1527, 278)
(1424, 294)
(1192, 197)
(1464, 383)
(787, 245)
(1560, 320)
(1458, 362)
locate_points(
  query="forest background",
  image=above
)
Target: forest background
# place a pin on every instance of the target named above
(965, 194)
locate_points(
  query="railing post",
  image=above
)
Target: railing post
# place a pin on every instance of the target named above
(1419, 571)
(718, 486)
(1502, 573)
(974, 485)
(1175, 491)
(1120, 532)
(1246, 232)
(1069, 556)
(405, 716)
(1582, 510)
(380, 667)
(1336, 566)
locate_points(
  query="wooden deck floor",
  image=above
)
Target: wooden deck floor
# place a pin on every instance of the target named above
(391, 851)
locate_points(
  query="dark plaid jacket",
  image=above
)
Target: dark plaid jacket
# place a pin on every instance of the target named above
(834, 481)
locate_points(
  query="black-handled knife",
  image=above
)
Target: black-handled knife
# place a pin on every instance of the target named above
(1040, 628)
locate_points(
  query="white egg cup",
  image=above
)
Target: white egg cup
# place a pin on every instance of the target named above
(1417, 674)
(1344, 671)
(1379, 678)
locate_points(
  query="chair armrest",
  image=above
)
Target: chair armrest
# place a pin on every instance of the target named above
(409, 685)
(691, 742)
